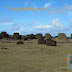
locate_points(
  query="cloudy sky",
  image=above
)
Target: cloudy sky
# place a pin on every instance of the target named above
(27, 22)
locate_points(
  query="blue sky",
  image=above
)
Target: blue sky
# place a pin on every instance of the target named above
(27, 22)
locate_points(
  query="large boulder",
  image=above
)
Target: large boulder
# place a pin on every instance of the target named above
(71, 36)
(41, 41)
(50, 42)
(56, 36)
(47, 35)
(62, 36)
(25, 38)
(4, 35)
(0, 36)
(11, 37)
(16, 36)
(31, 36)
(20, 37)
(39, 35)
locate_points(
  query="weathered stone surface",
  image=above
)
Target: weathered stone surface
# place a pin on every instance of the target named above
(41, 41)
(20, 37)
(31, 36)
(56, 36)
(0, 36)
(50, 42)
(16, 36)
(39, 35)
(24, 38)
(71, 36)
(62, 36)
(4, 35)
(47, 35)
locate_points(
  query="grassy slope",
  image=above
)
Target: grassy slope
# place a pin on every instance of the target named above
(32, 57)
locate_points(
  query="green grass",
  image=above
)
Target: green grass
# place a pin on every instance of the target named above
(33, 57)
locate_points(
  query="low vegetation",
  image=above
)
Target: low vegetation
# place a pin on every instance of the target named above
(33, 57)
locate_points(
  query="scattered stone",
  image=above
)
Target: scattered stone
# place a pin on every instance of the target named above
(4, 48)
(41, 41)
(25, 38)
(62, 36)
(31, 36)
(50, 42)
(39, 35)
(53, 37)
(4, 35)
(56, 36)
(71, 36)
(20, 42)
(16, 36)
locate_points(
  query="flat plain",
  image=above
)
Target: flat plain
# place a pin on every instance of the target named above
(33, 57)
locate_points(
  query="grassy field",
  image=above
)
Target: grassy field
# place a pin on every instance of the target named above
(33, 57)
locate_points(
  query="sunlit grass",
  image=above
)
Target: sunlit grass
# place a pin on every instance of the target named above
(33, 57)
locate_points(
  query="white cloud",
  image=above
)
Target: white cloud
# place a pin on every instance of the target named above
(36, 22)
(55, 24)
(22, 28)
(5, 20)
(34, 5)
(55, 27)
(26, 3)
(44, 26)
(18, 27)
(70, 14)
(48, 4)
(32, 23)
(9, 23)
(66, 4)
(69, 10)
